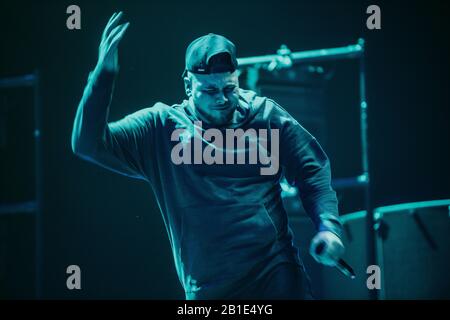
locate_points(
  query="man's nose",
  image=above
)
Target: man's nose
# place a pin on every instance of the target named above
(221, 99)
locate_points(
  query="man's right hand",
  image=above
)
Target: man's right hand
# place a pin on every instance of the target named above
(108, 56)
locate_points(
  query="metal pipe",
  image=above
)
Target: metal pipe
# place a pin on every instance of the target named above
(38, 187)
(370, 224)
(347, 52)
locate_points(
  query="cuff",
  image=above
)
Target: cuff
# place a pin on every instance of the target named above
(330, 222)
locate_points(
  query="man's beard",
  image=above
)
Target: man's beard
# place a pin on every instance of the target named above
(217, 118)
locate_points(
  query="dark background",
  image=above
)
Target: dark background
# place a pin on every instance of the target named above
(110, 225)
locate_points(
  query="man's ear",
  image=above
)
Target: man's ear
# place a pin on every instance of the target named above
(188, 86)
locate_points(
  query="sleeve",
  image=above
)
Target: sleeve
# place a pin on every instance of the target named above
(307, 167)
(123, 146)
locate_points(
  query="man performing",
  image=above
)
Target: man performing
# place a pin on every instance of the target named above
(215, 162)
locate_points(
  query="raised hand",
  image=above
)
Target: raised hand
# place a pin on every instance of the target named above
(108, 56)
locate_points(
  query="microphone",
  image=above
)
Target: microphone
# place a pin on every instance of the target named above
(341, 265)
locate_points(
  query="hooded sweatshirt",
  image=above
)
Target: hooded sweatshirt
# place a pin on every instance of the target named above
(223, 213)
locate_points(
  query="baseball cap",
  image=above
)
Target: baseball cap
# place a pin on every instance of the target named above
(211, 53)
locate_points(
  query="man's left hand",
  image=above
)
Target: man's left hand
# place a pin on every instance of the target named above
(331, 246)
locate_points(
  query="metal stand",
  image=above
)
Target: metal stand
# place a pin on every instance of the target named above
(284, 59)
(33, 206)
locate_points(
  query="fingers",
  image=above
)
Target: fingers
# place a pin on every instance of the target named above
(329, 257)
(328, 254)
(112, 23)
(112, 17)
(313, 249)
(326, 248)
(314, 244)
(115, 32)
(118, 35)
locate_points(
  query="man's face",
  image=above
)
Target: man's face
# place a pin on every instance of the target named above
(215, 96)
